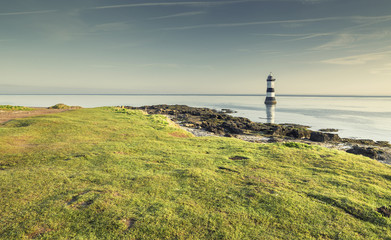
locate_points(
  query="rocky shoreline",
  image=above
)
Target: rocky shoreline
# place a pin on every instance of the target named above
(210, 122)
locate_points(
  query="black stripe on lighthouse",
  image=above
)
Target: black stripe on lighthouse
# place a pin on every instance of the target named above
(270, 90)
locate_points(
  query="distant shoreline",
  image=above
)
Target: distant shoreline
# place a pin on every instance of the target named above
(187, 94)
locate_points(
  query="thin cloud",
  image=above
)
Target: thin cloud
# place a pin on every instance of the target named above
(346, 40)
(341, 41)
(169, 4)
(296, 37)
(315, 35)
(358, 59)
(384, 70)
(199, 3)
(283, 34)
(224, 25)
(291, 21)
(367, 18)
(185, 14)
(160, 65)
(27, 13)
(113, 26)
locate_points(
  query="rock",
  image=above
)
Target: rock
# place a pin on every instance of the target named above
(274, 140)
(370, 152)
(298, 133)
(324, 137)
(294, 125)
(383, 143)
(224, 124)
(232, 127)
(276, 130)
(226, 110)
(359, 141)
(328, 130)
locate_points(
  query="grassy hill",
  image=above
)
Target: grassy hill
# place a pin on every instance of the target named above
(109, 173)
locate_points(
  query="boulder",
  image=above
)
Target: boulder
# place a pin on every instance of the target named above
(370, 152)
(324, 137)
(298, 133)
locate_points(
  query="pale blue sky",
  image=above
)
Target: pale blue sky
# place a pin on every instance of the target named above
(226, 46)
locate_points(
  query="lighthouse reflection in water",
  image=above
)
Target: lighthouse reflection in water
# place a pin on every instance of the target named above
(270, 113)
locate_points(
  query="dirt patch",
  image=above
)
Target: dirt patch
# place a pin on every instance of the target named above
(19, 140)
(6, 116)
(266, 182)
(179, 134)
(129, 222)
(38, 232)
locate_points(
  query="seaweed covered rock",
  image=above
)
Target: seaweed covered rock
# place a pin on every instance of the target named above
(205, 118)
(371, 152)
(324, 137)
(221, 123)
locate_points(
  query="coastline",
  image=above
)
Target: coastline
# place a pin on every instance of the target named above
(355, 117)
(209, 122)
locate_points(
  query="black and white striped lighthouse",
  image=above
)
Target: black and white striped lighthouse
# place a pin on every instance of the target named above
(270, 93)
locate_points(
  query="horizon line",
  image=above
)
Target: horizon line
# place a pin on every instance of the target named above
(188, 94)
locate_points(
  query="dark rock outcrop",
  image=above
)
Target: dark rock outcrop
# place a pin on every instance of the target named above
(371, 152)
(221, 123)
(324, 137)
(328, 130)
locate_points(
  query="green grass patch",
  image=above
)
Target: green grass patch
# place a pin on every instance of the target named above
(111, 173)
(15, 108)
(63, 106)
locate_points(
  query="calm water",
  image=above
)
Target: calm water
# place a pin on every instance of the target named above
(359, 117)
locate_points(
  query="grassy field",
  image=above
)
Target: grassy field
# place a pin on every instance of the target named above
(109, 173)
(14, 108)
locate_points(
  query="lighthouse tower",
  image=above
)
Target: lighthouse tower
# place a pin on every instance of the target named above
(270, 94)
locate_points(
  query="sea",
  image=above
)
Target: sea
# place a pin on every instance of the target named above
(362, 117)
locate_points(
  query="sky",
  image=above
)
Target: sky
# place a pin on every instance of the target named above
(338, 47)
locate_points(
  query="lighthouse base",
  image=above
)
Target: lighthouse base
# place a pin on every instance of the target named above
(270, 100)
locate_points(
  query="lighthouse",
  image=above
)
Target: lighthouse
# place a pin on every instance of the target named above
(270, 93)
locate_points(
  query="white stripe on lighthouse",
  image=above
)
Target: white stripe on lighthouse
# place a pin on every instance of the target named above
(270, 94)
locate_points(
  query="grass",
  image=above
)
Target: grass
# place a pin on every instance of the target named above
(63, 106)
(108, 173)
(15, 108)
